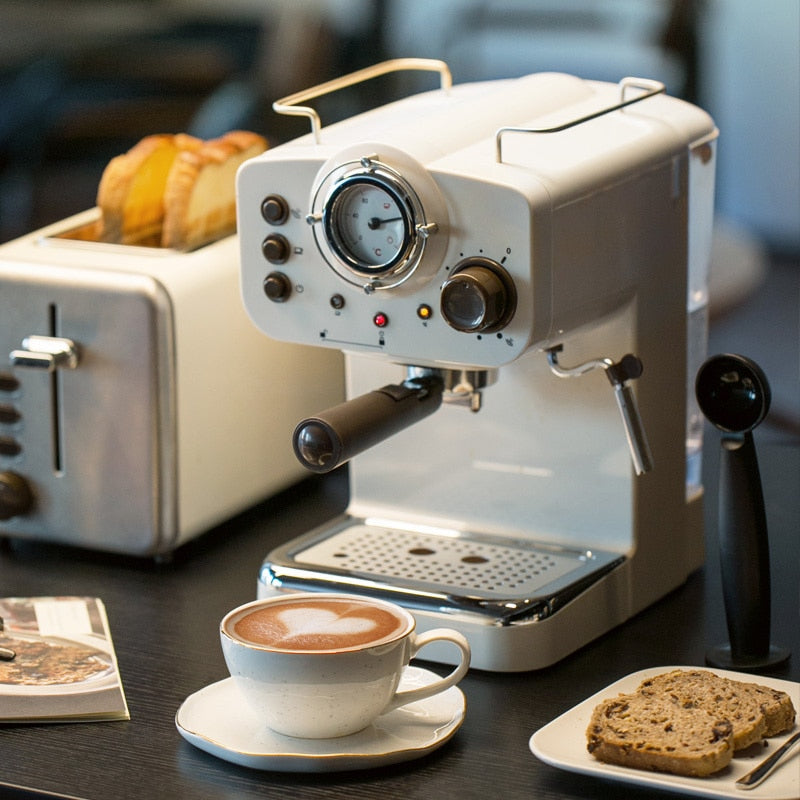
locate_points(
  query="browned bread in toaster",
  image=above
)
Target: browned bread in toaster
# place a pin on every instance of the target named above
(653, 732)
(200, 192)
(131, 190)
(754, 711)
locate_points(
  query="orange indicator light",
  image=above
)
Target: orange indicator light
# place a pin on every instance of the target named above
(424, 311)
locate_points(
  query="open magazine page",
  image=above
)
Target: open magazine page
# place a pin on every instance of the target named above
(57, 661)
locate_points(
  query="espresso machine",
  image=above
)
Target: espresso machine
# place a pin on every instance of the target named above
(516, 273)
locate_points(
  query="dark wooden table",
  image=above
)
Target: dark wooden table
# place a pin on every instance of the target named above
(164, 623)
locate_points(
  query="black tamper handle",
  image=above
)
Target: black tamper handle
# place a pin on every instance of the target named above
(744, 549)
(734, 395)
(324, 442)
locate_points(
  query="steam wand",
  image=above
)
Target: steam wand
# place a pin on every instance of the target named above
(618, 374)
(734, 395)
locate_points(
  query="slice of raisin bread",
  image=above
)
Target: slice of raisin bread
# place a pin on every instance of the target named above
(705, 690)
(777, 707)
(653, 732)
(754, 711)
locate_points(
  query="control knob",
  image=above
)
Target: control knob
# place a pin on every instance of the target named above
(16, 497)
(478, 297)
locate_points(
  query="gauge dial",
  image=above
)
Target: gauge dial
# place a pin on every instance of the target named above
(369, 224)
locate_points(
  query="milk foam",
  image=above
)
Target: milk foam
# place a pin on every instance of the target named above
(323, 624)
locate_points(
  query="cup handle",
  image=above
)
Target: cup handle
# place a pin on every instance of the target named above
(423, 692)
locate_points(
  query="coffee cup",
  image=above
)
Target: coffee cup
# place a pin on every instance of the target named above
(319, 665)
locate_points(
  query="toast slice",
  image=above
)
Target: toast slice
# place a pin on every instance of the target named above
(200, 191)
(131, 190)
(652, 732)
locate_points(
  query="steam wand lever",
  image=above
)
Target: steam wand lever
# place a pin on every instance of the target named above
(618, 373)
(323, 442)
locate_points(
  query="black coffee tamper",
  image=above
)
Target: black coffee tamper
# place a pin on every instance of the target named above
(734, 395)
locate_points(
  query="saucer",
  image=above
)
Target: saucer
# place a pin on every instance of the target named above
(217, 720)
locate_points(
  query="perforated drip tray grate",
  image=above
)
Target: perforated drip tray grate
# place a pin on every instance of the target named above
(505, 578)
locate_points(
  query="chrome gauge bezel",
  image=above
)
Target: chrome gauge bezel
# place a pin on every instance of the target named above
(330, 198)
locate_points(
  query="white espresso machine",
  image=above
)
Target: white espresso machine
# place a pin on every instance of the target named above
(516, 272)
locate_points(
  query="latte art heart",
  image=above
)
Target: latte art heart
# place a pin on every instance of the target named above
(323, 622)
(320, 624)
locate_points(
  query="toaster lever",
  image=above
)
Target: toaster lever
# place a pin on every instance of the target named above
(45, 352)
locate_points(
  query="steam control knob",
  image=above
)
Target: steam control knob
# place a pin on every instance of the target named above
(16, 497)
(478, 297)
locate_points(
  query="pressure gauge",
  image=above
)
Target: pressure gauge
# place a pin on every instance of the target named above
(369, 222)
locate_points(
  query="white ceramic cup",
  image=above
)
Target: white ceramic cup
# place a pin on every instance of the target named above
(318, 665)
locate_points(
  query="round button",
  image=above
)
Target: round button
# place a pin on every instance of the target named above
(275, 248)
(337, 301)
(275, 209)
(478, 297)
(16, 497)
(277, 287)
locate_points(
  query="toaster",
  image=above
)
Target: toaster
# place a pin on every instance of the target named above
(138, 405)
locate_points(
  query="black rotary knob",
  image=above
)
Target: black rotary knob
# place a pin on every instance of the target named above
(478, 297)
(16, 497)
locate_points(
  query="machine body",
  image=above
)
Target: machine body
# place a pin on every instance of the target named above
(478, 230)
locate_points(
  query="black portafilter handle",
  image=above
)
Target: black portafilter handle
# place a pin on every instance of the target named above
(734, 395)
(326, 441)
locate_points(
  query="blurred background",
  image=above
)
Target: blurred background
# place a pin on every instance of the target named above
(83, 80)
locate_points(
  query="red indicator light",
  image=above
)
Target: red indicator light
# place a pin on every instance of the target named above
(380, 320)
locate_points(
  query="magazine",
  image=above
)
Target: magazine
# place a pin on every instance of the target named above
(57, 661)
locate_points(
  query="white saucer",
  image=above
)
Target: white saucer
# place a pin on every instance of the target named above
(217, 720)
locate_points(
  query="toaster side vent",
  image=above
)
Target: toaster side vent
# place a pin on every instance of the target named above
(55, 398)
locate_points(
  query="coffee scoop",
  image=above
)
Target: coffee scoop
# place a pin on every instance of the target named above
(734, 395)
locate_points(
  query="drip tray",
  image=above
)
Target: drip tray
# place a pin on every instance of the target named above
(436, 569)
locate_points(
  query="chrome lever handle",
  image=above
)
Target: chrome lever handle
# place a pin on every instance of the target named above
(45, 352)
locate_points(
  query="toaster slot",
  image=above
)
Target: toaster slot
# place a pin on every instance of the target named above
(48, 353)
(55, 398)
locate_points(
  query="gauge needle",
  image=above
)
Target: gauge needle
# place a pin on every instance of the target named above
(376, 222)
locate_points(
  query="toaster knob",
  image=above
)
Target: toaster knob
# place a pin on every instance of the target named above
(478, 297)
(16, 497)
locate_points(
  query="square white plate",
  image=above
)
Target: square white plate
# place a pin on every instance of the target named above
(562, 744)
